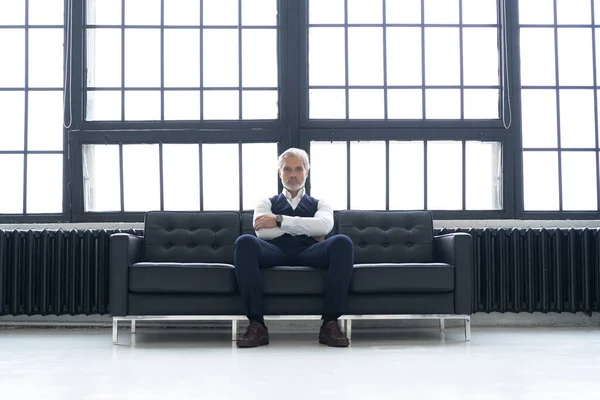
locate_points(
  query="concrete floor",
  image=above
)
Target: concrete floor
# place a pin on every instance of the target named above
(515, 363)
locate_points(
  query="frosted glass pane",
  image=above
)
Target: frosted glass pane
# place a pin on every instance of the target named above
(259, 172)
(103, 12)
(365, 56)
(367, 175)
(220, 12)
(220, 169)
(444, 175)
(141, 186)
(482, 103)
(441, 11)
(579, 181)
(142, 12)
(405, 104)
(329, 183)
(536, 12)
(182, 105)
(326, 12)
(539, 118)
(181, 160)
(44, 183)
(327, 104)
(407, 175)
(365, 12)
(12, 49)
(326, 56)
(259, 58)
(577, 118)
(11, 201)
(575, 59)
(537, 57)
(221, 105)
(104, 58)
(142, 105)
(479, 12)
(442, 104)
(182, 62)
(442, 56)
(484, 176)
(366, 104)
(142, 58)
(220, 58)
(259, 12)
(101, 177)
(12, 12)
(103, 106)
(46, 58)
(45, 121)
(574, 12)
(403, 11)
(182, 12)
(46, 12)
(404, 64)
(12, 115)
(260, 104)
(540, 181)
(480, 57)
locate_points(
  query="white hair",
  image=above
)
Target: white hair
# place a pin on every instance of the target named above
(294, 152)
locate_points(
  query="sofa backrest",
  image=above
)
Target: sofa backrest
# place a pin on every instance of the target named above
(389, 236)
(188, 236)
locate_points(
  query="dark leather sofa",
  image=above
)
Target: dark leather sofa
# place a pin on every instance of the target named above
(182, 269)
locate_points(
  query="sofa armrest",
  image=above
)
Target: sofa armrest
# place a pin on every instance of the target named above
(125, 250)
(456, 249)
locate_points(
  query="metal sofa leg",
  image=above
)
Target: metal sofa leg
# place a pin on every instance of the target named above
(133, 326)
(442, 325)
(115, 330)
(468, 329)
(234, 329)
(349, 329)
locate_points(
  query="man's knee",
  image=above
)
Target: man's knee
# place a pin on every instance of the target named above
(342, 242)
(246, 243)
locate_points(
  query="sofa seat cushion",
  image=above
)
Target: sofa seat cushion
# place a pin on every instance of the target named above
(410, 277)
(168, 277)
(293, 280)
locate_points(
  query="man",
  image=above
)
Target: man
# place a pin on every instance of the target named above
(290, 229)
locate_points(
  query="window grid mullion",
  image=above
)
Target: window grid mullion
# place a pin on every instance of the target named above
(162, 66)
(26, 111)
(461, 60)
(423, 94)
(595, 77)
(558, 118)
(201, 69)
(122, 61)
(240, 69)
(385, 85)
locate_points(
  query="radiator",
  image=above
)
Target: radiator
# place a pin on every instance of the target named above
(517, 270)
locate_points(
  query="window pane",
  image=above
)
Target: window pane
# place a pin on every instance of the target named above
(484, 176)
(577, 118)
(44, 183)
(367, 175)
(365, 56)
(407, 175)
(101, 177)
(366, 104)
(536, 12)
(442, 56)
(142, 12)
(12, 12)
(11, 201)
(441, 11)
(403, 11)
(103, 12)
(579, 181)
(182, 105)
(259, 12)
(404, 56)
(182, 12)
(327, 104)
(103, 58)
(221, 104)
(405, 104)
(220, 12)
(181, 160)
(365, 12)
(12, 67)
(259, 104)
(444, 175)
(182, 58)
(327, 63)
(46, 12)
(142, 57)
(259, 171)
(480, 59)
(540, 180)
(482, 103)
(141, 186)
(479, 12)
(539, 118)
(46, 58)
(326, 12)
(329, 173)
(575, 60)
(537, 57)
(12, 115)
(574, 12)
(103, 106)
(442, 104)
(142, 105)
(45, 121)
(220, 170)
(259, 58)
(220, 58)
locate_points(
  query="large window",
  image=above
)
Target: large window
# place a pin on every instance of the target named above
(31, 104)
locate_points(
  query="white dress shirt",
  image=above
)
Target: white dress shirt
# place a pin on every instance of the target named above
(319, 225)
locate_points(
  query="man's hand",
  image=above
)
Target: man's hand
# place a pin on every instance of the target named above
(319, 238)
(265, 221)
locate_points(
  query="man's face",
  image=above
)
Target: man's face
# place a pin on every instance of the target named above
(293, 174)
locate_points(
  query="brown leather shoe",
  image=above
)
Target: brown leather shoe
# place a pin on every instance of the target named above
(331, 334)
(256, 335)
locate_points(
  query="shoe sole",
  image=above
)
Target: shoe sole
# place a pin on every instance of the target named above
(262, 342)
(323, 341)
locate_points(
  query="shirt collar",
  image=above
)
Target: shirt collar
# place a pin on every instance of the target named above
(287, 194)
